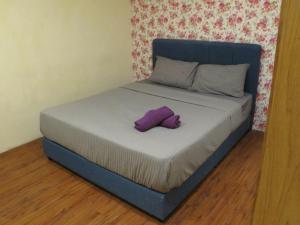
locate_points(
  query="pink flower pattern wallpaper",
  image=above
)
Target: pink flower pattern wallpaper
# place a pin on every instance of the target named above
(245, 21)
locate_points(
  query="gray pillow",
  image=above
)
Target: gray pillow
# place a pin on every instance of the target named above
(173, 72)
(221, 79)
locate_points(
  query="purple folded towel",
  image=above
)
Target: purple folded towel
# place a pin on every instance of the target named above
(172, 122)
(153, 118)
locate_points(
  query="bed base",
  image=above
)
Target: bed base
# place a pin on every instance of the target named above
(157, 204)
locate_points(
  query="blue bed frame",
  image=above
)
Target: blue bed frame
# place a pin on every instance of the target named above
(158, 204)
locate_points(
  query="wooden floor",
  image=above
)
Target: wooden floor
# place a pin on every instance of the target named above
(34, 190)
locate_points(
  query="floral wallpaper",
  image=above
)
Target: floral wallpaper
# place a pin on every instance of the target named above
(248, 21)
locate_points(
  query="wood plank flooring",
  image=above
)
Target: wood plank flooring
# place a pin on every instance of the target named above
(34, 190)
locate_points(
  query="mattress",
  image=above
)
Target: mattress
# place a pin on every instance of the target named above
(100, 128)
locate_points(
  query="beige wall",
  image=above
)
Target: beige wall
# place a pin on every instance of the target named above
(55, 51)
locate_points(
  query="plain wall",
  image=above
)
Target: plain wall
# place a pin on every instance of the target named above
(56, 51)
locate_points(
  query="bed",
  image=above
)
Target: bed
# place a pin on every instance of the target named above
(156, 170)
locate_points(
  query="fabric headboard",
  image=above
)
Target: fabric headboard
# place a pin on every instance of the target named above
(206, 52)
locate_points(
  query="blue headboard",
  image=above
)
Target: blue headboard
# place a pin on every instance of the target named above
(206, 52)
